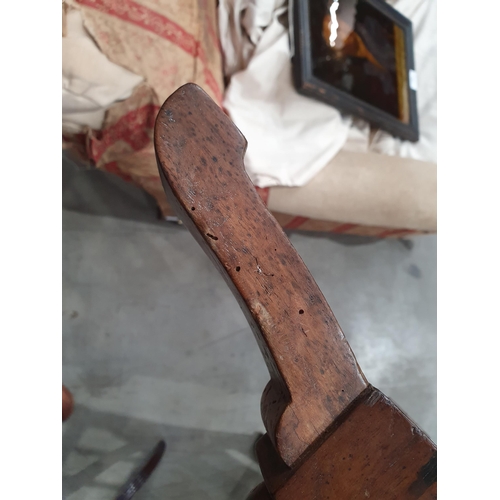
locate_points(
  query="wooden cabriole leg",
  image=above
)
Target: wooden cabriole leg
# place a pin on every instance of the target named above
(330, 434)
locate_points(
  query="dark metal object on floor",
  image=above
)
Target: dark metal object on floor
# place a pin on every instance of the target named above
(138, 479)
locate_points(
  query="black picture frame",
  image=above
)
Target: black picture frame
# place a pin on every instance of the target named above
(307, 84)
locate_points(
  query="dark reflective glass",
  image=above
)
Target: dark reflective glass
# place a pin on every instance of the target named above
(368, 57)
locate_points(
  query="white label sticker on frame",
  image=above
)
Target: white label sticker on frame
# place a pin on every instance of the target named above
(412, 79)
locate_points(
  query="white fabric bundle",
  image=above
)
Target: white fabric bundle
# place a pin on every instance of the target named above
(292, 137)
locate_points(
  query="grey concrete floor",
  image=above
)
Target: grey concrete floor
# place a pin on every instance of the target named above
(155, 346)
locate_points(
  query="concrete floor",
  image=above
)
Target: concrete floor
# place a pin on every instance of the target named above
(155, 346)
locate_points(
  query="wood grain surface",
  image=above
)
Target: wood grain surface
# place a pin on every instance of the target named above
(314, 374)
(330, 434)
(372, 451)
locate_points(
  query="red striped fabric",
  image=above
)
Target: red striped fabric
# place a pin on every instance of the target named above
(112, 167)
(296, 222)
(134, 13)
(211, 32)
(263, 193)
(343, 228)
(154, 22)
(130, 128)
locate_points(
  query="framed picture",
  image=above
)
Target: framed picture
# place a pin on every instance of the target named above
(357, 55)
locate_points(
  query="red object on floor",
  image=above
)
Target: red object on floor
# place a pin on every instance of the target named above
(67, 403)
